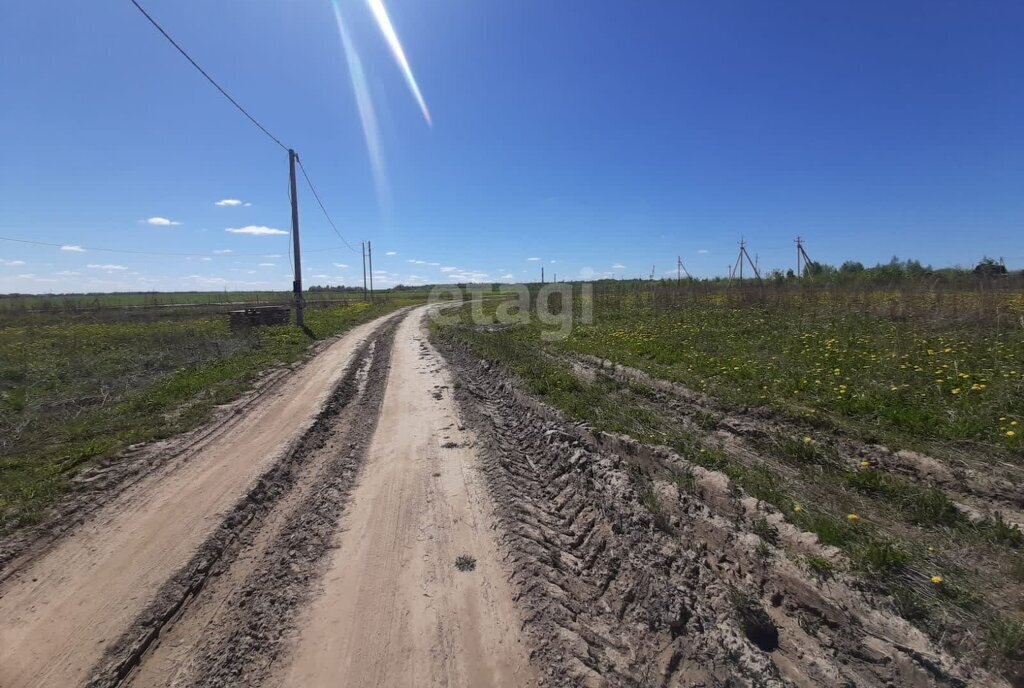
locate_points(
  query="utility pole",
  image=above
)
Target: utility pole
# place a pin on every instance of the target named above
(297, 282)
(369, 255)
(801, 253)
(680, 268)
(744, 254)
(362, 246)
(542, 275)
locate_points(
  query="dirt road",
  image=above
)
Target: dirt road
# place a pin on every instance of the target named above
(393, 609)
(59, 613)
(392, 517)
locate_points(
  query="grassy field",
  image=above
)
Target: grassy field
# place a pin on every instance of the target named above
(74, 391)
(70, 303)
(934, 381)
(825, 363)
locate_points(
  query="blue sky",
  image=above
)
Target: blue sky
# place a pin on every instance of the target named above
(577, 135)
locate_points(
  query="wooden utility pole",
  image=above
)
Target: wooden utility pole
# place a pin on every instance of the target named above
(681, 269)
(297, 282)
(801, 253)
(362, 246)
(542, 275)
(369, 256)
(739, 261)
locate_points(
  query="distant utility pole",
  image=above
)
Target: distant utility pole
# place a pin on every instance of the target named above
(681, 269)
(801, 253)
(652, 273)
(363, 246)
(542, 275)
(369, 256)
(739, 261)
(297, 282)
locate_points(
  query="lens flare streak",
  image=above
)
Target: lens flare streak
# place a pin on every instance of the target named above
(364, 103)
(380, 13)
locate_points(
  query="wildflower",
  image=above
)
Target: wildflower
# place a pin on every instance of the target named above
(937, 580)
(807, 440)
(956, 390)
(797, 508)
(852, 518)
(930, 548)
(865, 464)
(1010, 433)
(1013, 422)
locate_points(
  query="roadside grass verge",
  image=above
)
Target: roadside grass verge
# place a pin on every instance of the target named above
(896, 536)
(74, 394)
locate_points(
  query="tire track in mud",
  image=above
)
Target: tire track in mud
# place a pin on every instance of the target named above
(615, 593)
(978, 489)
(230, 607)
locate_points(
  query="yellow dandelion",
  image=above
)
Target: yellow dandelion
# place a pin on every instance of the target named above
(937, 580)
(807, 440)
(865, 464)
(797, 508)
(1010, 433)
(852, 518)
(956, 390)
(1013, 422)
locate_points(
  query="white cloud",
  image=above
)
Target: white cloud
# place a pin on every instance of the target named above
(27, 275)
(255, 230)
(448, 269)
(223, 251)
(508, 275)
(434, 264)
(266, 265)
(231, 202)
(11, 262)
(703, 250)
(618, 266)
(106, 266)
(206, 259)
(273, 255)
(72, 248)
(161, 222)
(391, 253)
(68, 273)
(533, 259)
(554, 261)
(341, 265)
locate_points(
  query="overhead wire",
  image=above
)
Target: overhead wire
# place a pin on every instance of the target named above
(208, 77)
(321, 204)
(246, 113)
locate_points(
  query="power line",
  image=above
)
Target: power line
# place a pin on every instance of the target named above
(208, 77)
(326, 214)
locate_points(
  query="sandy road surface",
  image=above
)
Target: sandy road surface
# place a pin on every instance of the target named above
(393, 610)
(59, 613)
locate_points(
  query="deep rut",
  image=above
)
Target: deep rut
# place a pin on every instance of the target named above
(256, 571)
(627, 580)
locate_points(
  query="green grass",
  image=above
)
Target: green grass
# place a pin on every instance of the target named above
(75, 393)
(919, 383)
(885, 552)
